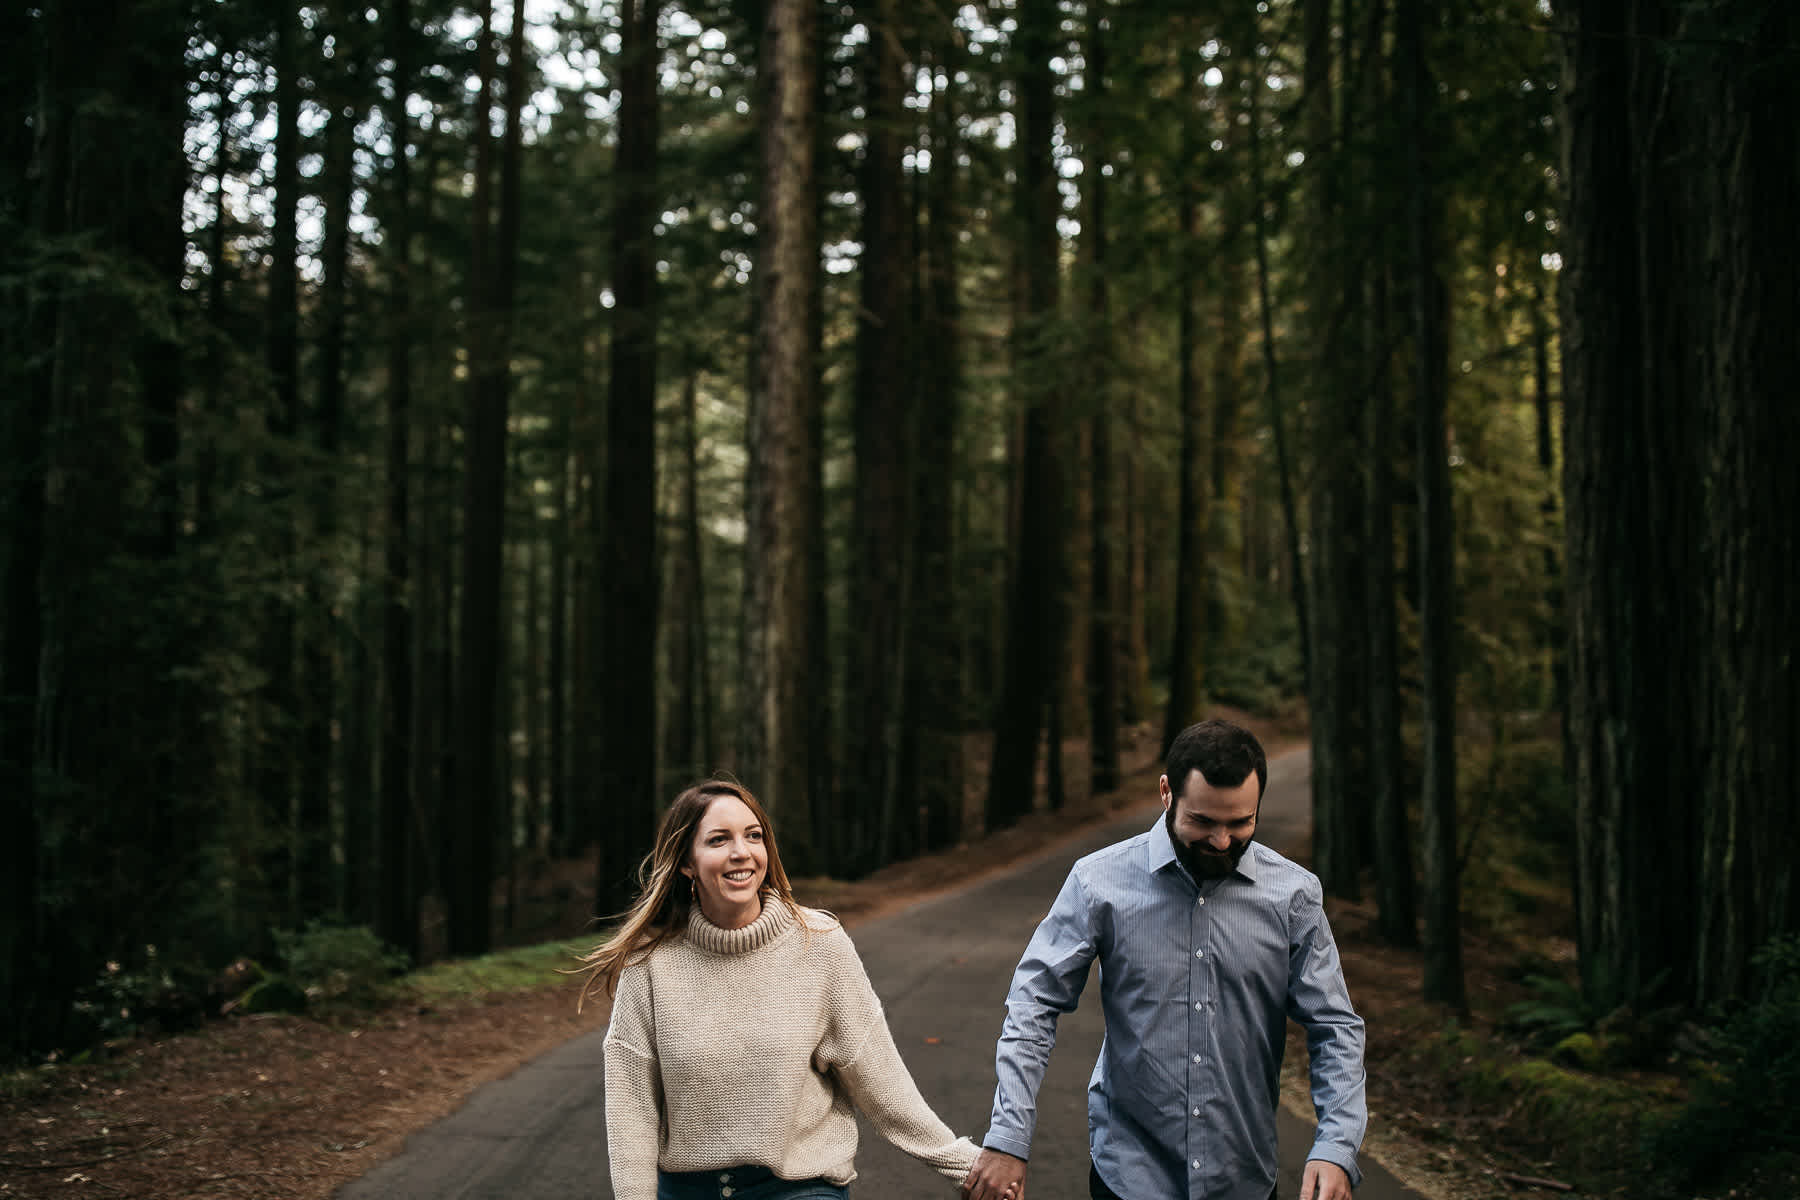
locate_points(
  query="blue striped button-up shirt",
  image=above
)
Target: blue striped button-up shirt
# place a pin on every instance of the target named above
(1196, 983)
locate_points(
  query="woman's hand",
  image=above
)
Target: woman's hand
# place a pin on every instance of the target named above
(996, 1175)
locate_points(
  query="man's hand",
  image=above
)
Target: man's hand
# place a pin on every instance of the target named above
(999, 1176)
(1322, 1181)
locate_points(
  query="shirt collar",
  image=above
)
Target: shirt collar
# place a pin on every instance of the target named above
(1160, 853)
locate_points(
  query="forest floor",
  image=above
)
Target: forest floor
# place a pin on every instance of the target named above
(280, 1107)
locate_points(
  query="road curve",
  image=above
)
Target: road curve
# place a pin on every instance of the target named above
(941, 968)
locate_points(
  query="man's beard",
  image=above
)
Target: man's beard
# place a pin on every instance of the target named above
(1200, 862)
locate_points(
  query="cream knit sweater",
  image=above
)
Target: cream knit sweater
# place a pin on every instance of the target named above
(750, 1047)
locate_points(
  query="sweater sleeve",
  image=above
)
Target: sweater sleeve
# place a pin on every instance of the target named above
(634, 1100)
(860, 1050)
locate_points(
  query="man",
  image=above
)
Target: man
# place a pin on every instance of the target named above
(1208, 942)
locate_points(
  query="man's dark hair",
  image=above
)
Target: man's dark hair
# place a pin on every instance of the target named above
(1223, 753)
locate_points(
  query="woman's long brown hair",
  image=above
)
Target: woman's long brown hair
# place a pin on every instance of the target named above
(665, 895)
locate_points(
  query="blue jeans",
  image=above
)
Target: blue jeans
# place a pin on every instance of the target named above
(743, 1183)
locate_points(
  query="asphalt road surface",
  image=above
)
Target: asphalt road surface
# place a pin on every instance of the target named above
(941, 968)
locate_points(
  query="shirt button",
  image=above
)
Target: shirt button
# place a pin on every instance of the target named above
(1196, 1112)
(724, 1191)
(1199, 954)
(1196, 1164)
(1198, 1006)
(725, 1178)
(1196, 1058)
(1203, 899)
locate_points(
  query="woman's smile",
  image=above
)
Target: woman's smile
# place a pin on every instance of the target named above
(728, 863)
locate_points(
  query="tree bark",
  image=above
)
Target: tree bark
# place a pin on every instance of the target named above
(936, 620)
(1103, 616)
(1634, 522)
(476, 777)
(1750, 887)
(631, 585)
(1187, 654)
(867, 829)
(277, 782)
(1033, 638)
(783, 482)
(397, 905)
(1443, 981)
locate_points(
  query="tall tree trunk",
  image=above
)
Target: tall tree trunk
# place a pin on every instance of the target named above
(1187, 656)
(320, 634)
(1397, 915)
(583, 812)
(1033, 635)
(866, 829)
(397, 912)
(687, 737)
(277, 781)
(30, 1001)
(1103, 617)
(479, 627)
(628, 617)
(1679, 482)
(1630, 534)
(211, 404)
(1749, 886)
(1443, 982)
(97, 776)
(936, 621)
(782, 485)
(361, 737)
(1273, 400)
(532, 701)
(1225, 467)
(558, 650)
(1334, 600)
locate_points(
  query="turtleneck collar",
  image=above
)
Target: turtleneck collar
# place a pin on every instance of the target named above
(774, 920)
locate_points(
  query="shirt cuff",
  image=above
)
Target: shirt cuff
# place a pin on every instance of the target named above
(1008, 1144)
(1337, 1156)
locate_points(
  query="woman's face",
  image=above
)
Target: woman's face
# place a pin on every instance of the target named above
(728, 863)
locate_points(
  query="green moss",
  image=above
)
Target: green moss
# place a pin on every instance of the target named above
(518, 969)
(1591, 1121)
(1582, 1050)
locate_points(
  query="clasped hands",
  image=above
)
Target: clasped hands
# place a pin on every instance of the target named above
(997, 1175)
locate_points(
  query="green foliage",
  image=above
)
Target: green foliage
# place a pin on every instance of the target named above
(1591, 1121)
(1740, 1117)
(1261, 670)
(1556, 1011)
(503, 971)
(266, 991)
(339, 966)
(152, 996)
(1517, 830)
(1584, 1026)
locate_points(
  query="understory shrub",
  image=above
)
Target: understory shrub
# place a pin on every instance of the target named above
(1740, 1116)
(151, 996)
(339, 966)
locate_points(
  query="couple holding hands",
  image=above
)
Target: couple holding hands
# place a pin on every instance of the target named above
(745, 1034)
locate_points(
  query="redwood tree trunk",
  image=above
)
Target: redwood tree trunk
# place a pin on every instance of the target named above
(1033, 638)
(397, 904)
(782, 485)
(866, 824)
(1443, 925)
(629, 574)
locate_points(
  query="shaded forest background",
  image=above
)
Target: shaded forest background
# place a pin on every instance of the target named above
(434, 434)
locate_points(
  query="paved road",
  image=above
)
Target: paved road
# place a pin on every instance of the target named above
(941, 968)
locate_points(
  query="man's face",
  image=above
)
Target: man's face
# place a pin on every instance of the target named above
(1211, 827)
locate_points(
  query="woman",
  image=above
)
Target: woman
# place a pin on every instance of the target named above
(745, 1033)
